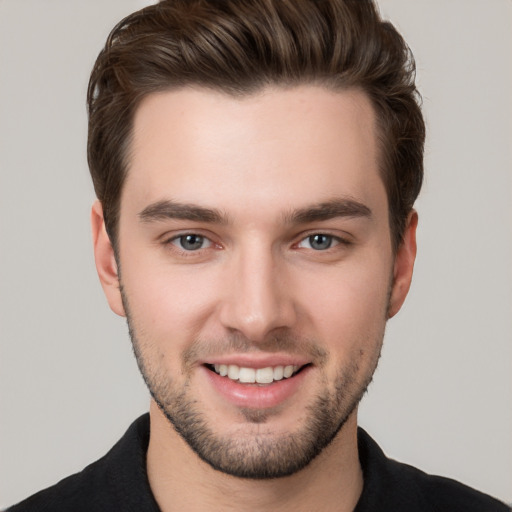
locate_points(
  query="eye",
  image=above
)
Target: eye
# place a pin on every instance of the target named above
(318, 242)
(191, 242)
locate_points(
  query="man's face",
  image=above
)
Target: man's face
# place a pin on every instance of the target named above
(254, 241)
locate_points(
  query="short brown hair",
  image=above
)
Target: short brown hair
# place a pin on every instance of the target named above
(240, 47)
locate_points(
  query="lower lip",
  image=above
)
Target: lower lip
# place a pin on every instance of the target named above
(256, 396)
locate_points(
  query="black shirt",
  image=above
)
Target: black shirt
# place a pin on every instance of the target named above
(119, 482)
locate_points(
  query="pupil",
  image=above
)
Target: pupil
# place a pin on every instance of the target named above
(319, 242)
(191, 242)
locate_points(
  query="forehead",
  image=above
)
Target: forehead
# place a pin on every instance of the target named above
(276, 148)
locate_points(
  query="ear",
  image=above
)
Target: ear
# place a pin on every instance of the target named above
(403, 266)
(106, 265)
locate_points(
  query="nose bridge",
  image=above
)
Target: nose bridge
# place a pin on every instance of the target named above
(256, 301)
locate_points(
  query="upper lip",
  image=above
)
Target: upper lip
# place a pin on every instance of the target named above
(258, 361)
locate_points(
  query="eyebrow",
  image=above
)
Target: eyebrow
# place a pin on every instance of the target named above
(167, 209)
(339, 207)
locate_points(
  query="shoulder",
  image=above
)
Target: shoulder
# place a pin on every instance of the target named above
(443, 494)
(117, 481)
(392, 485)
(83, 491)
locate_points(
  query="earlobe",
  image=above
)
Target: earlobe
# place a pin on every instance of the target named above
(403, 266)
(106, 264)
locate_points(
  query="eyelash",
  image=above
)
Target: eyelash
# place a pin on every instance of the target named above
(177, 244)
(334, 241)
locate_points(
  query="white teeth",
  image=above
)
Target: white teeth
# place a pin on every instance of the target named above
(278, 372)
(233, 371)
(251, 375)
(288, 370)
(264, 375)
(247, 375)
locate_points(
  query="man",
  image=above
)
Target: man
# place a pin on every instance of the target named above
(256, 165)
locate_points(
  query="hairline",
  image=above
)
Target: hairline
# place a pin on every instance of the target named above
(331, 84)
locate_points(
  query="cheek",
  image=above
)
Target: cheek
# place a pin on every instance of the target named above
(166, 302)
(350, 321)
(348, 305)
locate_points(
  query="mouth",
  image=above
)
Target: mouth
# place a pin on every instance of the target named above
(262, 376)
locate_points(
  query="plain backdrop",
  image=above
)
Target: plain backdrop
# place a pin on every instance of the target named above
(442, 396)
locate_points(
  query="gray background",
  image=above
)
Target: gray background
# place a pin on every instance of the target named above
(442, 396)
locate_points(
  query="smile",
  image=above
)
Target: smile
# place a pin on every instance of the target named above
(255, 375)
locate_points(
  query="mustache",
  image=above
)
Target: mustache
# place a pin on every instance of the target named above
(236, 342)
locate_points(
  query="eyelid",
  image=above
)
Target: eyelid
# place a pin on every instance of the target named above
(170, 242)
(171, 238)
(334, 241)
(178, 237)
(170, 235)
(345, 239)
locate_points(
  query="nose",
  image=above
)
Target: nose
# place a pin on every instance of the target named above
(257, 295)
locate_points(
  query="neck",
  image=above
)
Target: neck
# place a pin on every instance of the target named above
(181, 481)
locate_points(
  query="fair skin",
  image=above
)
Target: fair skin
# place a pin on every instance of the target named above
(288, 262)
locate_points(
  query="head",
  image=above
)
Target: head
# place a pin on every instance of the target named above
(240, 48)
(256, 165)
